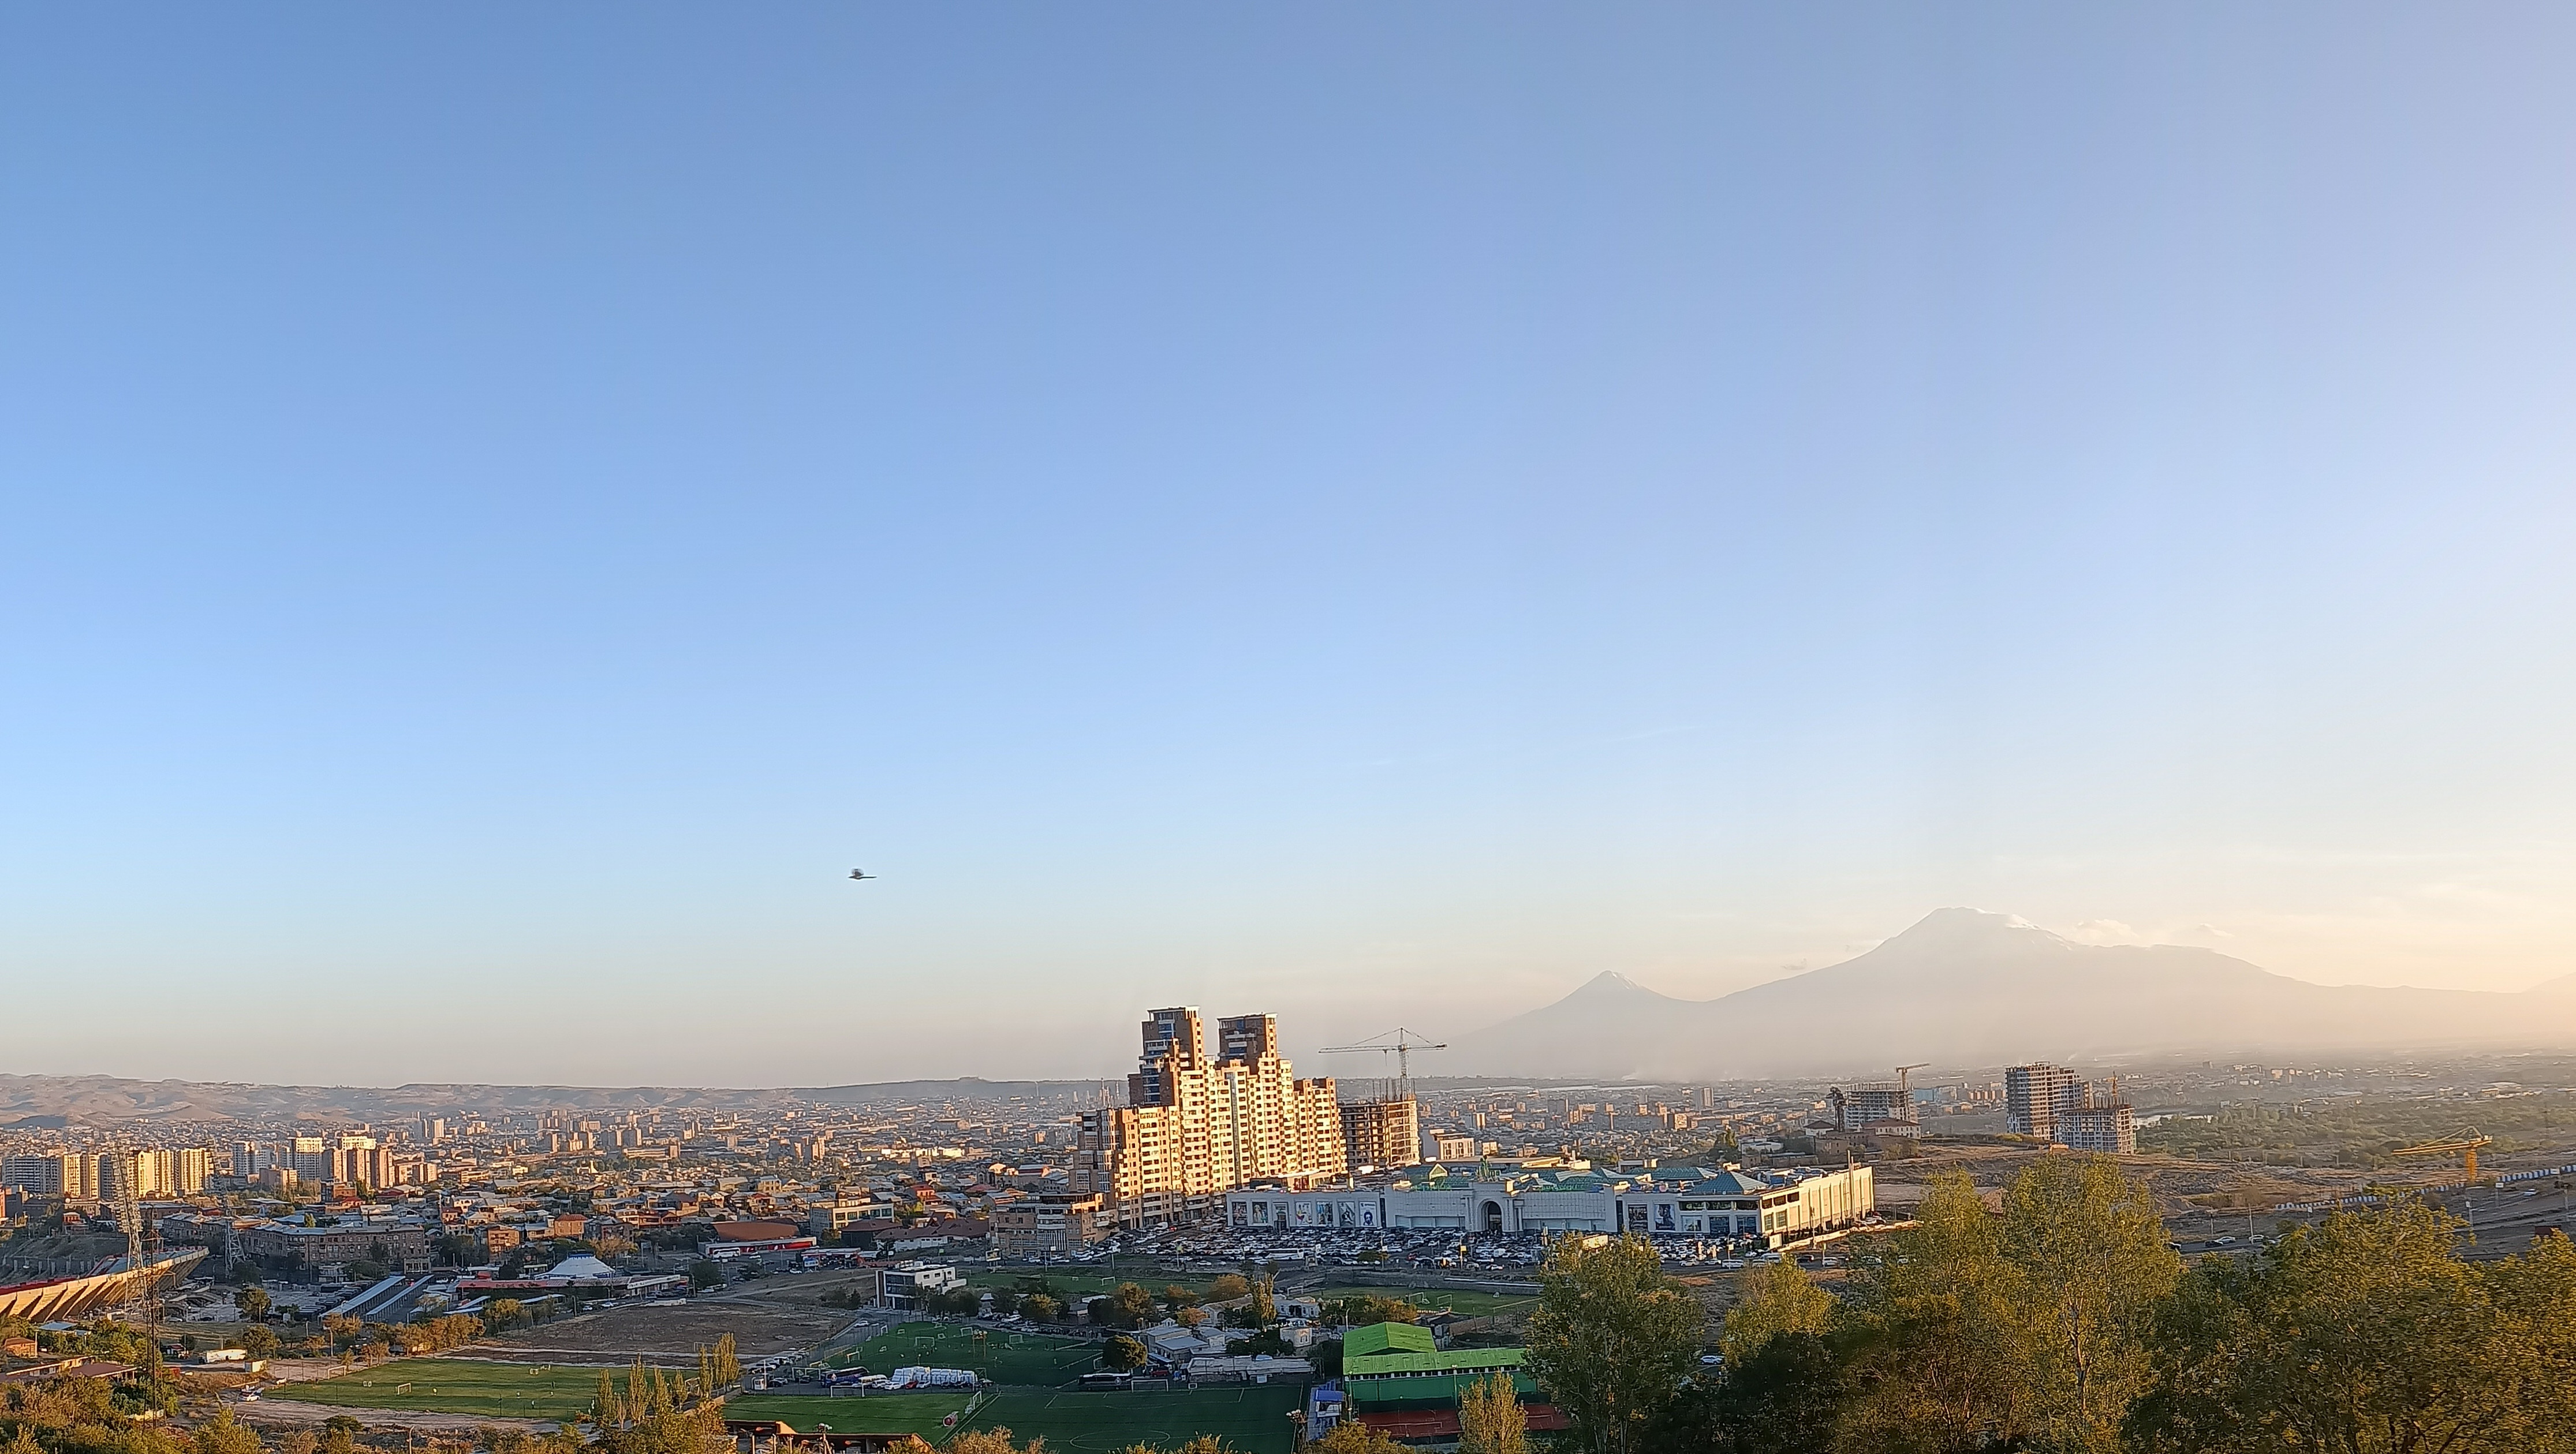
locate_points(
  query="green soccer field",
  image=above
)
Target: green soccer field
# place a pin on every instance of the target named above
(459, 1386)
(1025, 1359)
(885, 1413)
(1254, 1420)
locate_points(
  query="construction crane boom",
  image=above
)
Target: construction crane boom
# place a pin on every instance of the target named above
(2463, 1144)
(1401, 1042)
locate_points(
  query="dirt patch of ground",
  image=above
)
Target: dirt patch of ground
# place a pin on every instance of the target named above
(760, 1327)
(2182, 1188)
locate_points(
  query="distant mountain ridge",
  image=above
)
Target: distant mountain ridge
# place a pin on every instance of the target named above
(37, 1100)
(1968, 987)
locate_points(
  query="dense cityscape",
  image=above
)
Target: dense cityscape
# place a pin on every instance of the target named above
(1217, 1224)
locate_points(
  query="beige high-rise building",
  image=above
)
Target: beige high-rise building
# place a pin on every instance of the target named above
(1194, 1128)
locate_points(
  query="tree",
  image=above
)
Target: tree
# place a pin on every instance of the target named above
(1612, 1338)
(1130, 1306)
(1776, 1298)
(1786, 1396)
(1350, 1436)
(1490, 1420)
(1123, 1353)
(344, 1331)
(995, 1440)
(2089, 1246)
(704, 1274)
(726, 1362)
(1227, 1287)
(611, 1246)
(2367, 1335)
(1037, 1307)
(1177, 1297)
(1363, 1308)
(259, 1341)
(220, 1435)
(253, 1302)
(1937, 1316)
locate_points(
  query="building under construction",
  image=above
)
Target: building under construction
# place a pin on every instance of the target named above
(2053, 1102)
(1879, 1107)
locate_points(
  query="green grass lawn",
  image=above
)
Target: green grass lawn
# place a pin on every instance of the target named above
(1254, 1420)
(1028, 1359)
(458, 1386)
(885, 1413)
(1462, 1301)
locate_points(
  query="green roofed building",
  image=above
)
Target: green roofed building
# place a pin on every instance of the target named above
(1403, 1353)
(1402, 1384)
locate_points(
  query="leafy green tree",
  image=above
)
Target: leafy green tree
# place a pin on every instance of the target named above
(259, 1341)
(253, 1303)
(1037, 1307)
(2367, 1335)
(705, 1274)
(1775, 1298)
(1786, 1396)
(1350, 1436)
(1130, 1306)
(2089, 1247)
(1937, 1318)
(1612, 1339)
(1359, 1310)
(1490, 1420)
(1227, 1287)
(220, 1435)
(1123, 1354)
(1176, 1297)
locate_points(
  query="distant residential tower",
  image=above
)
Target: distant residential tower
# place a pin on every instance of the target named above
(1194, 1128)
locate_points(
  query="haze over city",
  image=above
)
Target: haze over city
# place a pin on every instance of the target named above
(1350, 514)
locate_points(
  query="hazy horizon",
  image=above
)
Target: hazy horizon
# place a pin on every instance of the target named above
(1376, 516)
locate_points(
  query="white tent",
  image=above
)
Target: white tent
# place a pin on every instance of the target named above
(583, 1268)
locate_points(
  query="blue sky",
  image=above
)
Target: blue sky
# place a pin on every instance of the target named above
(1373, 514)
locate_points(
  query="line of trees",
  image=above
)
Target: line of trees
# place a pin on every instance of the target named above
(2064, 1324)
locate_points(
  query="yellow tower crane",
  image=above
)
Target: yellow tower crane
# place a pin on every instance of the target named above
(2463, 1144)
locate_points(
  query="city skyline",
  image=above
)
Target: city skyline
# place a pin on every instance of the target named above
(1382, 517)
